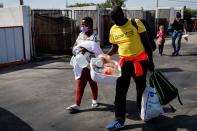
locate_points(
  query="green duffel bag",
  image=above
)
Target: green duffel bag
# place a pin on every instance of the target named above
(165, 89)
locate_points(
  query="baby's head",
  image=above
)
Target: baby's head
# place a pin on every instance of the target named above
(161, 28)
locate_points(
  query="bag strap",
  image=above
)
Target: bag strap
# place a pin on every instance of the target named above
(172, 108)
(134, 23)
(179, 99)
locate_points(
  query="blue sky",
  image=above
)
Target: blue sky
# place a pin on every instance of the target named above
(129, 3)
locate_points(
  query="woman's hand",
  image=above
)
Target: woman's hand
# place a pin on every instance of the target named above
(83, 50)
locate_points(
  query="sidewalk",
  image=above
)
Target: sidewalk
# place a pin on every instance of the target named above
(34, 97)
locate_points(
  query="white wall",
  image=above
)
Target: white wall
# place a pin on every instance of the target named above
(11, 16)
(15, 17)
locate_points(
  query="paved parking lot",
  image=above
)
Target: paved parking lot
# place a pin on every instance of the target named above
(33, 97)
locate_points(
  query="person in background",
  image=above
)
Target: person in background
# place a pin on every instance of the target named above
(161, 39)
(195, 25)
(135, 60)
(82, 75)
(178, 29)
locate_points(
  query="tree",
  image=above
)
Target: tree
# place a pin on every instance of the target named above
(82, 4)
(117, 2)
(110, 3)
(188, 14)
(106, 4)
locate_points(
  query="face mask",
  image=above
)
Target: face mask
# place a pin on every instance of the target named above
(84, 29)
(178, 19)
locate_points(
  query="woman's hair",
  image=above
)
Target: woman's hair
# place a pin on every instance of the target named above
(88, 20)
(178, 15)
(161, 27)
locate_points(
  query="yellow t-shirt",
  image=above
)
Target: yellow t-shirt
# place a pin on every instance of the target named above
(127, 38)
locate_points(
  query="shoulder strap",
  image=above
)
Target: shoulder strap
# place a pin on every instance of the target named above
(179, 99)
(95, 37)
(134, 23)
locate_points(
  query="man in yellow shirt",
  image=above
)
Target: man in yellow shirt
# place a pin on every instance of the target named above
(135, 54)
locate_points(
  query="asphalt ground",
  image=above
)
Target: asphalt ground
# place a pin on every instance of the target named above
(34, 96)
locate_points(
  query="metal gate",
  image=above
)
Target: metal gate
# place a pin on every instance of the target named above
(52, 31)
(12, 46)
(55, 31)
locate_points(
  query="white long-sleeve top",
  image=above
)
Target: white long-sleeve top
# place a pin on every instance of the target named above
(86, 42)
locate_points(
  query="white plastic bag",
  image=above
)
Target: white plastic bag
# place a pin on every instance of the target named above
(151, 106)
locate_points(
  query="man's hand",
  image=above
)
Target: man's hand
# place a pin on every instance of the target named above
(113, 49)
(151, 66)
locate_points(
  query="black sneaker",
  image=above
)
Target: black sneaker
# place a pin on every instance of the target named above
(173, 53)
(177, 53)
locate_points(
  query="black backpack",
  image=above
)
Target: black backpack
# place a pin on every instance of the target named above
(148, 30)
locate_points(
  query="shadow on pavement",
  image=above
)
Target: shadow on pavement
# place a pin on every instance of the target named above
(169, 69)
(163, 123)
(10, 122)
(102, 107)
(131, 108)
(134, 114)
(190, 54)
(182, 54)
(169, 109)
(58, 68)
(132, 111)
(35, 65)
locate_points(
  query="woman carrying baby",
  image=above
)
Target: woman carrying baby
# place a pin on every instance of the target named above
(82, 46)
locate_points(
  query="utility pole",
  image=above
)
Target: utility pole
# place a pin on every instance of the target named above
(157, 3)
(21, 2)
(66, 3)
(156, 17)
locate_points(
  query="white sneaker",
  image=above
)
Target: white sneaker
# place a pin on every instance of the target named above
(73, 108)
(95, 104)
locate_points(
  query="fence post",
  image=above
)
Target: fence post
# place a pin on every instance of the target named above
(156, 19)
(98, 24)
